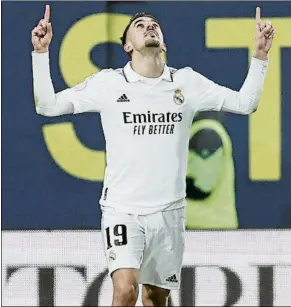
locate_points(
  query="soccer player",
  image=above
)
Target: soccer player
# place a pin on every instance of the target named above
(146, 110)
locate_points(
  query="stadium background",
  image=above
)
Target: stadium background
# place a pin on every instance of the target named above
(52, 168)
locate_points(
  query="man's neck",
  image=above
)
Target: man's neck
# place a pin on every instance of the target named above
(147, 66)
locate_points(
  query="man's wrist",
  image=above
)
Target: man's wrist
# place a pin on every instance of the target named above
(41, 50)
(260, 55)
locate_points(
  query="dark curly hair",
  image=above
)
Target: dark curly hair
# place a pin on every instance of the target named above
(133, 18)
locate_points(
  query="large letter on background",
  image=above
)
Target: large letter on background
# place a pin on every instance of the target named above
(75, 64)
(265, 124)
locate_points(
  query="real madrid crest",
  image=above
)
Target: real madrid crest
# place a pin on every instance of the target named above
(112, 255)
(80, 86)
(178, 97)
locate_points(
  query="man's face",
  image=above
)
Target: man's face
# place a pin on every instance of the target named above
(144, 32)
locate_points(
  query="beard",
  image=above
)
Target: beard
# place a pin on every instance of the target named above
(152, 43)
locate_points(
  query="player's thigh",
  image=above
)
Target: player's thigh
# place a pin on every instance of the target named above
(164, 250)
(123, 239)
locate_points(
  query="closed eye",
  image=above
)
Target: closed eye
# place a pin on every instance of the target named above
(139, 25)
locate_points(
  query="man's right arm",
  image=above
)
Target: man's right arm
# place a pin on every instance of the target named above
(47, 102)
(85, 97)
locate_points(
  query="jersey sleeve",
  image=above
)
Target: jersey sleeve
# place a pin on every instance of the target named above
(88, 96)
(208, 95)
(212, 96)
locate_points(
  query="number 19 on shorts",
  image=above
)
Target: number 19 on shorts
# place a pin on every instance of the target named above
(117, 237)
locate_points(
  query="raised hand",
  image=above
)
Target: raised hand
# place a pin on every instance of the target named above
(264, 37)
(42, 34)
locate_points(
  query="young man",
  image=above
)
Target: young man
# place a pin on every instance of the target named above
(146, 110)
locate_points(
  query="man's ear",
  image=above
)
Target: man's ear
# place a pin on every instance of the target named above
(127, 47)
(164, 47)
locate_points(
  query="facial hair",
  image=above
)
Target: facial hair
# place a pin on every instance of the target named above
(152, 43)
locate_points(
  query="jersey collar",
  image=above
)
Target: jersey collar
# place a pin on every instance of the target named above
(131, 76)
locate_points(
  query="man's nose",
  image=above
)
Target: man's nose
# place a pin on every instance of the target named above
(150, 27)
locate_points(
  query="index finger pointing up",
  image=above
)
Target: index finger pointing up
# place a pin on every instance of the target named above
(258, 15)
(47, 13)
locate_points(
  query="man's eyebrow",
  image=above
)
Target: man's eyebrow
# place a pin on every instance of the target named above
(138, 20)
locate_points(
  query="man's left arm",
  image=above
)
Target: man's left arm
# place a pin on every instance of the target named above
(246, 100)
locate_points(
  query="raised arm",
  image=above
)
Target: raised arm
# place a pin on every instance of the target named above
(47, 102)
(246, 100)
(87, 96)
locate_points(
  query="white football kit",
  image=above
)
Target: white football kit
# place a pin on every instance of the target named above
(146, 123)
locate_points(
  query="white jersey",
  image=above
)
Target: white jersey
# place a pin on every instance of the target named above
(146, 127)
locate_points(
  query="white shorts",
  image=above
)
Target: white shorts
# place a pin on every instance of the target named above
(153, 244)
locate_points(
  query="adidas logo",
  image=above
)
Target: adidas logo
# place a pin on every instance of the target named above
(172, 278)
(123, 98)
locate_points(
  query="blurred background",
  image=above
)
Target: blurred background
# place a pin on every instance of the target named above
(239, 167)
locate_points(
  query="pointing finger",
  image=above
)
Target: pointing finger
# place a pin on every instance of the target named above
(49, 28)
(47, 13)
(258, 15)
